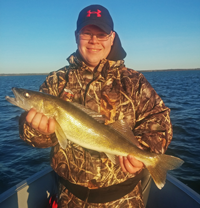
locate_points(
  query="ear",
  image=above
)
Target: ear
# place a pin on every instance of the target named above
(112, 38)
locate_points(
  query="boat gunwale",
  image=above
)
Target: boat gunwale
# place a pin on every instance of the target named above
(186, 189)
(13, 190)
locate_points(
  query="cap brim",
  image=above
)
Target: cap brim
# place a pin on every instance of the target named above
(104, 27)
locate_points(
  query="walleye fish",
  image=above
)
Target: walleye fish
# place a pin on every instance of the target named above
(84, 127)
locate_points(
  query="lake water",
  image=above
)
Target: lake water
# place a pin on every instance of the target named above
(180, 91)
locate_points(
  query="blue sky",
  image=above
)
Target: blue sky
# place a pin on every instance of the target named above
(38, 35)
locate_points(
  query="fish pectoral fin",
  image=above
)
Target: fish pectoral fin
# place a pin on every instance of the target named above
(123, 128)
(114, 159)
(62, 139)
(97, 116)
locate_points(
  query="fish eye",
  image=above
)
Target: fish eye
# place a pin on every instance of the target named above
(26, 95)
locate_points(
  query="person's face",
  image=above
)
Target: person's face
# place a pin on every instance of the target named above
(93, 50)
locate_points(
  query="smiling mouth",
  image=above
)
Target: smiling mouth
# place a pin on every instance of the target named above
(94, 50)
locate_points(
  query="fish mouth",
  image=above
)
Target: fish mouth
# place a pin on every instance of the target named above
(17, 100)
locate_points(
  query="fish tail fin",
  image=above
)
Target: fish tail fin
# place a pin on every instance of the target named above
(158, 169)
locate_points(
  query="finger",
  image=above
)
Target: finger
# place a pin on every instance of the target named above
(51, 126)
(136, 163)
(36, 120)
(30, 115)
(129, 167)
(121, 161)
(43, 126)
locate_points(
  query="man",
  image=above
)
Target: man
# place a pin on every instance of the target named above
(98, 79)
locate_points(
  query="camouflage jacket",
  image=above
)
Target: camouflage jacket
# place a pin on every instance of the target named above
(118, 93)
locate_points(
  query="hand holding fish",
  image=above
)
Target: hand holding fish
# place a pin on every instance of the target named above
(130, 164)
(40, 122)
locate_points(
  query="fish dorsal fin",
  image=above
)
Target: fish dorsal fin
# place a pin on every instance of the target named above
(122, 127)
(60, 135)
(97, 116)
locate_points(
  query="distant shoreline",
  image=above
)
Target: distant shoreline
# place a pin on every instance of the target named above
(23, 74)
(155, 70)
(150, 70)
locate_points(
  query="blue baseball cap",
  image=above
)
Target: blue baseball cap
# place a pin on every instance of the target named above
(95, 15)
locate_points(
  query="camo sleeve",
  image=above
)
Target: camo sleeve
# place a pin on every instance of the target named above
(53, 85)
(151, 121)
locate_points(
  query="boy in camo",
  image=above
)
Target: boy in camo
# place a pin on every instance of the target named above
(97, 78)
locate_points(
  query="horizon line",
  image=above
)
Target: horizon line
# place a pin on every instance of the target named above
(145, 70)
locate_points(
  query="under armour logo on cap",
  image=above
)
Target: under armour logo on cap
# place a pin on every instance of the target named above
(98, 13)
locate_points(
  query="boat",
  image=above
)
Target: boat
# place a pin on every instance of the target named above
(37, 190)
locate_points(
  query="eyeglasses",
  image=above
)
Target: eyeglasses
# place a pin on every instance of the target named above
(89, 36)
